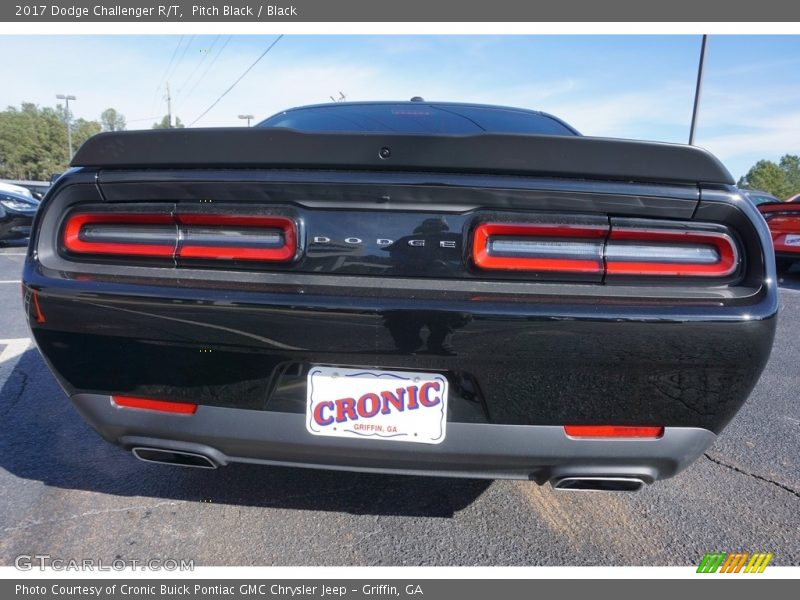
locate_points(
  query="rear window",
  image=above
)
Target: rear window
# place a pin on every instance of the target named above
(412, 118)
(762, 199)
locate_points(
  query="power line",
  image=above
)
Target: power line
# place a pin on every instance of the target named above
(198, 65)
(209, 66)
(172, 58)
(183, 54)
(164, 76)
(246, 71)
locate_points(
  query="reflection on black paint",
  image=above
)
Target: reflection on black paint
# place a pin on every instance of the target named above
(429, 250)
(406, 328)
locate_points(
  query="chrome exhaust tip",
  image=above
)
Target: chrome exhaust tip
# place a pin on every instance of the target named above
(599, 484)
(173, 457)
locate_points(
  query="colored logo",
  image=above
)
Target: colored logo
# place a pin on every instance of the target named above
(734, 562)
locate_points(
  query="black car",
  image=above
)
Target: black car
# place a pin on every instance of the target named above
(16, 215)
(407, 287)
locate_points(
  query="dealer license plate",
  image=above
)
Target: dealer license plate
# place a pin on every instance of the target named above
(792, 240)
(397, 406)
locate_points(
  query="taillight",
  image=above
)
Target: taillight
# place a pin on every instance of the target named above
(120, 234)
(183, 408)
(666, 252)
(234, 237)
(619, 249)
(539, 247)
(612, 431)
(182, 235)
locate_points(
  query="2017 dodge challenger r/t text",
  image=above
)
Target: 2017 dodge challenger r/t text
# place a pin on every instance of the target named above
(407, 287)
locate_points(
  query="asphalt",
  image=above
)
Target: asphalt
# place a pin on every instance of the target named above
(67, 493)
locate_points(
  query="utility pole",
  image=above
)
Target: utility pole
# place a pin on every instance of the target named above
(67, 98)
(248, 117)
(169, 108)
(698, 89)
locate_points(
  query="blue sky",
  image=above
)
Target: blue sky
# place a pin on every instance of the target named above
(618, 86)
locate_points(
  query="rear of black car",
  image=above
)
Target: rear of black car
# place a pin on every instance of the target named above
(596, 310)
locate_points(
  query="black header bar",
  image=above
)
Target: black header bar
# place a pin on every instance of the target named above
(462, 11)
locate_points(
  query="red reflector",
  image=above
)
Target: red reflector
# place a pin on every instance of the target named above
(182, 408)
(75, 242)
(539, 247)
(612, 431)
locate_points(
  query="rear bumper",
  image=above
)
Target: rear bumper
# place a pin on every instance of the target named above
(510, 360)
(536, 452)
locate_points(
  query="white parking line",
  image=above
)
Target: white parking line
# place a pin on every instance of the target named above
(12, 254)
(10, 281)
(9, 357)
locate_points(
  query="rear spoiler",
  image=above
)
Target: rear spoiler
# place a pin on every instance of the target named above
(508, 154)
(779, 207)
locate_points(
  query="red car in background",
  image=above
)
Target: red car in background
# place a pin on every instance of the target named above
(783, 219)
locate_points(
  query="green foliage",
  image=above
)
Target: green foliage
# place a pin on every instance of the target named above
(111, 120)
(33, 140)
(782, 180)
(164, 123)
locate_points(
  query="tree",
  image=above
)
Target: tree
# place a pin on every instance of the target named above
(164, 123)
(33, 140)
(791, 164)
(82, 130)
(111, 120)
(782, 180)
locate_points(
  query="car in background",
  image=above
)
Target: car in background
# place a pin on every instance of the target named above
(16, 215)
(758, 197)
(35, 189)
(783, 220)
(13, 188)
(795, 198)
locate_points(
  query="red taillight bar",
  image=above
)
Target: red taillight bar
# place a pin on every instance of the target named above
(660, 240)
(182, 408)
(239, 252)
(588, 247)
(616, 250)
(74, 243)
(223, 237)
(612, 431)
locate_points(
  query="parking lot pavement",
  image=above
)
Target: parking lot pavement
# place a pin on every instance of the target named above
(67, 493)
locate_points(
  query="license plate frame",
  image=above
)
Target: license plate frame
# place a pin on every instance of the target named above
(376, 404)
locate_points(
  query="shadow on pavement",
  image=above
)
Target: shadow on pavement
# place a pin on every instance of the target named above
(43, 438)
(790, 279)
